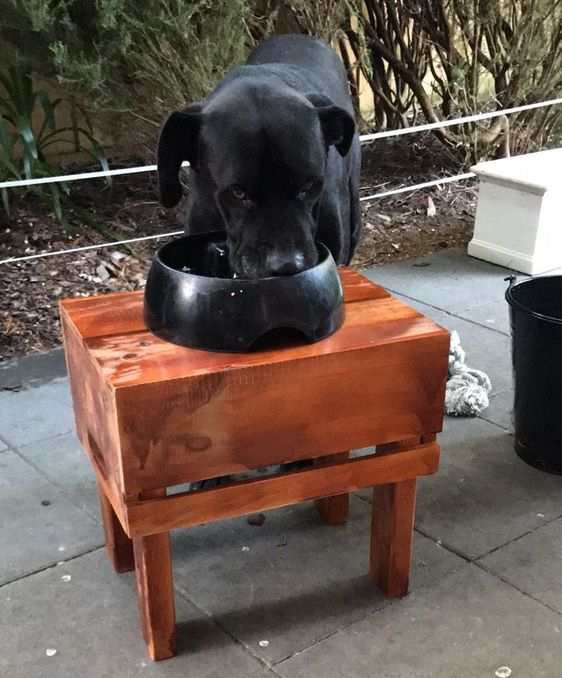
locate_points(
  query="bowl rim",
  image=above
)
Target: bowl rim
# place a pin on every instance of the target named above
(515, 303)
(323, 251)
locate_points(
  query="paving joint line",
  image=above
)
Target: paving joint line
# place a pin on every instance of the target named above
(444, 545)
(386, 603)
(51, 567)
(544, 523)
(39, 440)
(6, 443)
(247, 648)
(494, 423)
(498, 576)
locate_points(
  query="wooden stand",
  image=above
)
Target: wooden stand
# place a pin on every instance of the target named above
(151, 415)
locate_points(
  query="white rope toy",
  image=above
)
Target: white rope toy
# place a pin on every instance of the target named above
(467, 389)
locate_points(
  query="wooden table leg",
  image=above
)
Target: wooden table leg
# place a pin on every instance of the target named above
(334, 510)
(118, 545)
(155, 588)
(391, 536)
(156, 594)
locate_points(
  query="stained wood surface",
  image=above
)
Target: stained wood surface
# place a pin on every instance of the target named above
(251, 496)
(334, 509)
(392, 527)
(155, 590)
(122, 312)
(161, 415)
(117, 544)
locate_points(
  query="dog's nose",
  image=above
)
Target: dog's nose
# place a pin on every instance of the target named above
(280, 264)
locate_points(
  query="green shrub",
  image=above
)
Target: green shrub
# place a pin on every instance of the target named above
(23, 145)
(142, 57)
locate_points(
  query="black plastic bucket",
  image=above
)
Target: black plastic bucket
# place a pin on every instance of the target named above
(536, 337)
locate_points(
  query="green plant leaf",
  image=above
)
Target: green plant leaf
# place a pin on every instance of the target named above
(97, 153)
(24, 128)
(5, 200)
(48, 110)
(27, 168)
(6, 151)
(55, 203)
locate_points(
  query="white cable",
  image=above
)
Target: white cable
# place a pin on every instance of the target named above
(364, 137)
(87, 247)
(426, 184)
(457, 121)
(83, 175)
(403, 189)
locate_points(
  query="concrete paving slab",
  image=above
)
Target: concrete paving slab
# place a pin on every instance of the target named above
(532, 564)
(65, 464)
(468, 624)
(293, 580)
(500, 411)
(492, 314)
(483, 495)
(3, 446)
(92, 622)
(32, 370)
(34, 535)
(449, 280)
(36, 413)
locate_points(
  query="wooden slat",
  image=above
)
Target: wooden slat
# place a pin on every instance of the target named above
(193, 508)
(106, 314)
(185, 430)
(141, 357)
(357, 287)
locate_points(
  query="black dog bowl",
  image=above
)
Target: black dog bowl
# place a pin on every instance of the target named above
(192, 299)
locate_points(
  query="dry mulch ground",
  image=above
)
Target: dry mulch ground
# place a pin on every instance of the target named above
(396, 227)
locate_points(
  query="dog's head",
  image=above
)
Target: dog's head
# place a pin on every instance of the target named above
(260, 155)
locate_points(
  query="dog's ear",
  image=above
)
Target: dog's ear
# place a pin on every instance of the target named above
(178, 142)
(337, 124)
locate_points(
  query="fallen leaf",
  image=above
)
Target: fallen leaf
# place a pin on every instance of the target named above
(431, 211)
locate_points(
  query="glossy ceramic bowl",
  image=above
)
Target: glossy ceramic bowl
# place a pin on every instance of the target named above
(192, 299)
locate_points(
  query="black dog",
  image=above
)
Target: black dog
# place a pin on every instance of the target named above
(274, 159)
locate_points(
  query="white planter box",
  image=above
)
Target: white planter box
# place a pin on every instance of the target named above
(519, 214)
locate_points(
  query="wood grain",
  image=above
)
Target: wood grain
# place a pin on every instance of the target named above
(162, 415)
(391, 536)
(122, 312)
(94, 405)
(183, 430)
(357, 287)
(252, 496)
(155, 589)
(117, 544)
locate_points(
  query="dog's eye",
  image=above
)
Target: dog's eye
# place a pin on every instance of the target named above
(305, 189)
(239, 194)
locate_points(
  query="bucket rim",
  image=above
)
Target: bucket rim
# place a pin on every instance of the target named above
(523, 309)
